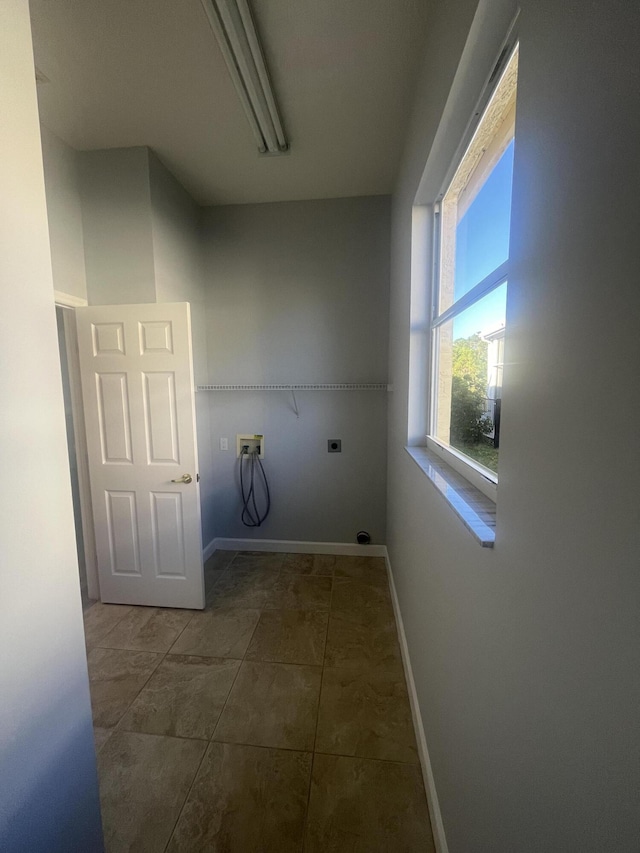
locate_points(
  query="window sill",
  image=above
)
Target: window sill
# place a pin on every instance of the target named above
(477, 512)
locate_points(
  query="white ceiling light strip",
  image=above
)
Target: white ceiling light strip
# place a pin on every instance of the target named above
(233, 26)
(263, 74)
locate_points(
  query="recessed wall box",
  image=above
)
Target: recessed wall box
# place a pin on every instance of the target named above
(252, 441)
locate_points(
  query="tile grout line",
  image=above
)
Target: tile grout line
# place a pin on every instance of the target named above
(296, 750)
(115, 624)
(182, 807)
(151, 674)
(116, 727)
(262, 609)
(305, 823)
(153, 671)
(209, 740)
(242, 660)
(160, 662)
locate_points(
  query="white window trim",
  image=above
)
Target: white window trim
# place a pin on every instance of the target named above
(495, 278)
(478, 475)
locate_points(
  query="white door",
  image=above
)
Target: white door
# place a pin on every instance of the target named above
(138, 393)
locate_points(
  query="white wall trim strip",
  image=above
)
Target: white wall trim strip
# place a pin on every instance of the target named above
(338, 386)
(437, 825)
(68, 300)
(293, 547)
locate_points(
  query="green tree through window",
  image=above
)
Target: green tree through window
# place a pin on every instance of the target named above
(469, 422)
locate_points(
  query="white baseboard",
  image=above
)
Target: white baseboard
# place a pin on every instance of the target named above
(293, 547)
(437, 826)
(208, 550)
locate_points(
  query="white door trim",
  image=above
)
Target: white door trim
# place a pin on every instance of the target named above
(68, 300)
(80, 436)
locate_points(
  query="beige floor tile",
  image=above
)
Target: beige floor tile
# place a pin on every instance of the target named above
(220, 632)
(297, 592)
(365, 806)
(183, 698)
(86, 601)
(245, 799)
(210, 580)
(257, 560)
(101, 736)
(147, 629)
(242, 588)
(219, 561)
(144, 781)
(214, 568)
(370, 569)
(366, 714)
(354, 595)
(272, 704)
(363, 638)
(309, 564)
(116, 676)
(99, 619)
(290, 636)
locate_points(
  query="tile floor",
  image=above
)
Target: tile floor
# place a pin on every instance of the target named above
(275, 720)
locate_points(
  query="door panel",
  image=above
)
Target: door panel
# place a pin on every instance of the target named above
(161, 418)
(114, 418)
(122, 529)
(138, 389)
(166, 518)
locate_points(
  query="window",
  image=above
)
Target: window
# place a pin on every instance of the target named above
(472, 223)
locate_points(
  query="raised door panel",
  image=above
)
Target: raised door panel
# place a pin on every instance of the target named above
(108, 339)
(167, 524)
(160, 417)
(156, 336)
(122, 531)
(114, 419)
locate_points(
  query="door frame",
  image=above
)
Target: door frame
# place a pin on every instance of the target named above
(69, 303)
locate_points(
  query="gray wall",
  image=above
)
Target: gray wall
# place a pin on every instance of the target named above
(526, 658)
(294, 293)
(178, 261)
(64, 212)
(48, 785)
(298, 293)
(116, 218)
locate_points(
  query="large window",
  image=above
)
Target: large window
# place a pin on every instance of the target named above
(472, 224)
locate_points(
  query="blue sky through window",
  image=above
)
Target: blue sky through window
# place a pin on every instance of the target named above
(482, 244)
(484, 316)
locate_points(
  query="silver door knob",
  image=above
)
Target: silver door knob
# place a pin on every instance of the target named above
(186, 478)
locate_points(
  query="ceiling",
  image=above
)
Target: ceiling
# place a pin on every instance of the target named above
(149, 72)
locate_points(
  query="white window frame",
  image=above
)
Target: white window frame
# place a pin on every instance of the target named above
(478, 475)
